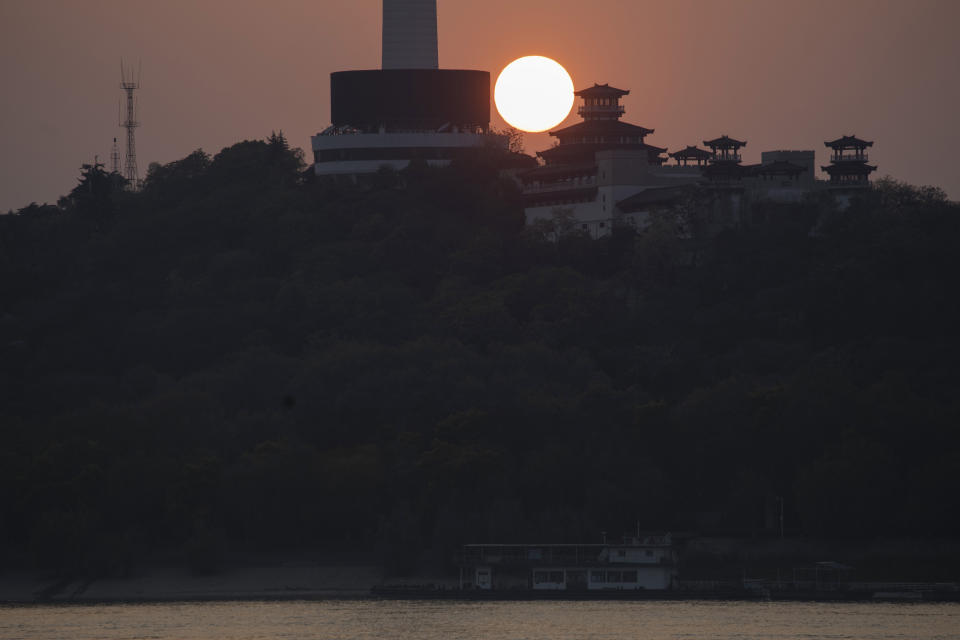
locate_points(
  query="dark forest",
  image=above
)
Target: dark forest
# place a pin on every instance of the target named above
(241, 356)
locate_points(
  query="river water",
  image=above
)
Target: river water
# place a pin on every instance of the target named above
(369, 619)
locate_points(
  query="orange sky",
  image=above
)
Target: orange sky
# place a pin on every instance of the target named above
(778, 73)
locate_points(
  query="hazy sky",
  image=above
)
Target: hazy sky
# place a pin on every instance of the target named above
(781, 74)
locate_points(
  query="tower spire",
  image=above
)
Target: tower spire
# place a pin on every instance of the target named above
(130, 82)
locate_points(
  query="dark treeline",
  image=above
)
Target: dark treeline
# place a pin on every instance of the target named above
(242, 357)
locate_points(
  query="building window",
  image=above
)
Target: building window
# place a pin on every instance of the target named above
(596, 576)
(629, 576)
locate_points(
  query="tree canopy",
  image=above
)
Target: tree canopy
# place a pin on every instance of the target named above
(243, 355)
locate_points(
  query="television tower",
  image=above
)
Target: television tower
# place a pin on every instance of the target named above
(130, 82)
(115, 157)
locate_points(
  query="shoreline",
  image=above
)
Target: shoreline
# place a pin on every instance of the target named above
(178, 584)
(319, 575)
(413, 594)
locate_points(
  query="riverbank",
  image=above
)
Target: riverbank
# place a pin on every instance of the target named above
(291, 582)
(710, 568)
(288, 581)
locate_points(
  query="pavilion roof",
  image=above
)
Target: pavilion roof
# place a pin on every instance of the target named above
(602, 127)
(725, 142)
(567, 150)
(847, 142)
(692, 152)
(601, 91)
(725, 169)
(849, 168)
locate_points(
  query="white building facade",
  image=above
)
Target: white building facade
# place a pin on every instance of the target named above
(637, 563)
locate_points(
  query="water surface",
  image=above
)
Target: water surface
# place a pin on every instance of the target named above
(417, 620)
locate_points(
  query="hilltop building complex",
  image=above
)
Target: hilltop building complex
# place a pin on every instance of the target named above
(602, 172)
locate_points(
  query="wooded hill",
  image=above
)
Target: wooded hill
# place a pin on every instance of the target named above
(242, 357)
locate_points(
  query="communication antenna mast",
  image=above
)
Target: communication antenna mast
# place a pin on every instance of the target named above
(115, 157)
(130, 82)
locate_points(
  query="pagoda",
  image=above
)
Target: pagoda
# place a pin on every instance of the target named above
(725, 164)
(597, 166)
(600, 130)
(848, 165)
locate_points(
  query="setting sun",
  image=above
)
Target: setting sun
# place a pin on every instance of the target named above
(534, 93)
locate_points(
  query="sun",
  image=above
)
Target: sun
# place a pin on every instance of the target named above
(534, 93)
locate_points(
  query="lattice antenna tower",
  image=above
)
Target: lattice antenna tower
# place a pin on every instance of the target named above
(115, 157)
(130, 82)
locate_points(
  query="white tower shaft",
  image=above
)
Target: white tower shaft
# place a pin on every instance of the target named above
(410, 34)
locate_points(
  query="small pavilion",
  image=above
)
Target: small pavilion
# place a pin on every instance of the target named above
(848, 163)
(692, 154)
(725, 164)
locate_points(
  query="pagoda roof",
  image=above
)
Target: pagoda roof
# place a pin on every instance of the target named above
(692, 152)
(601, 91)
(848, 168)
(558, 153)
(602, 127)
(725, 142)
(725, 170)
(847, 142)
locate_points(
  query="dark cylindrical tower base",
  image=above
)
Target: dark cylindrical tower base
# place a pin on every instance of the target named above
(410, 98)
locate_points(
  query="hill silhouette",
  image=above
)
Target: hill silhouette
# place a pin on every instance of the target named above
(241, 356)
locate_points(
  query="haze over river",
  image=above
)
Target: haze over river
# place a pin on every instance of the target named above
(367, 619)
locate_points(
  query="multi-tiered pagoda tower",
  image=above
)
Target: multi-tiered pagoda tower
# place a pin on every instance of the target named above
(597, 165)
(600, 130)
